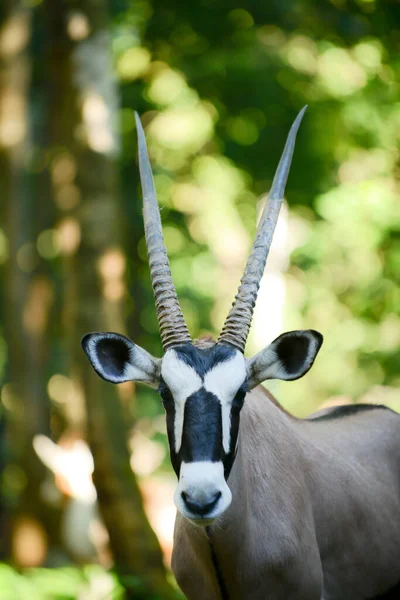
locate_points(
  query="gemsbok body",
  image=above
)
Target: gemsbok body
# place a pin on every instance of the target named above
(269, 506)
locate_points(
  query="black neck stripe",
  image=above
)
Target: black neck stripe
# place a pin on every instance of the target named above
(217, 568)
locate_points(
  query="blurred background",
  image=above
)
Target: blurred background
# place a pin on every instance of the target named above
(86, 484)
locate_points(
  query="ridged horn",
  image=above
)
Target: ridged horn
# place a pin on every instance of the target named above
(172, 325)
(237, 324)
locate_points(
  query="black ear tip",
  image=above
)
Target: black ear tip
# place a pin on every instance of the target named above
(318, 337)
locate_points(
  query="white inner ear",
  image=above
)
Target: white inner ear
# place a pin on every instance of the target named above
(141, 366)
(183, 381)
(267, 365)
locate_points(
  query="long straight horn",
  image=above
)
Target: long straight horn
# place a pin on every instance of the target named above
(238, 321)
(172, 325)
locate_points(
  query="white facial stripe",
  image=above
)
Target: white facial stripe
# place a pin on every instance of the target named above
(183, 381)
(223, 381)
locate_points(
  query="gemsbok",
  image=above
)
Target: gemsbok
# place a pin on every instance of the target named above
(269, 506)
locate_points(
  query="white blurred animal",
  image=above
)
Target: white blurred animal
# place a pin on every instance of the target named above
(71, 461)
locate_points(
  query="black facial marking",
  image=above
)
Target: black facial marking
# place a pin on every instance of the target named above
(236, 407)
(202, 428)
(202, 436)
(169, 405)
(204, 360)
(338, 412)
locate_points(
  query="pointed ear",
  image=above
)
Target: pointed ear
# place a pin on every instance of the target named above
(116, 359)
(289, 357)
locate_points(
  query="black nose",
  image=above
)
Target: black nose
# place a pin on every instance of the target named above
(200, 508)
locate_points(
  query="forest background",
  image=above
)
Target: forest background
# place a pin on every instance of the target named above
(217, 84)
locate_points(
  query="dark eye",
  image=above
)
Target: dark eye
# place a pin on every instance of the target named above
(238, 401)
(166, 397)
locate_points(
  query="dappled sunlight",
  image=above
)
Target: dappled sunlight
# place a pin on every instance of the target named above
(168, 86)
(158, 493)
(203, 274)
(302, 54)
(126, 391)
(242, 130)
(97, 123)
(48, 244)
(68, 197)
(4, 247)
(63, 169)
(147, 455)
(186, 197)
(60, 388)
(268, 320)
(369, 53)
(339, 74)
(112, 264)
(29, 544)
(174, 239)
(68, 236)
(78, 26)
(13, 125)
(67, 393)
(272, 36)
(111, 267)
(14, 37)
(14, 34)
(336, 401)
(186, 128)
(38, 306)
(216, 93)
(133, 63)
(8, 398)
(388, 334)
(363, 164)
(383, 394)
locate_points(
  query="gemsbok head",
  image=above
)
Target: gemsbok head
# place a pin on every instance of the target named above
(203, 384)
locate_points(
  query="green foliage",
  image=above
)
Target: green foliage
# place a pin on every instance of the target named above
(66, 583)
(222, 85)
(70, 583)
(217, 85)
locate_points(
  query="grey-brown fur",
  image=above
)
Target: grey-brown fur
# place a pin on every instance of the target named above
(315, 511)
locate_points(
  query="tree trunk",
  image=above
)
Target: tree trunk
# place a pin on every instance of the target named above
(28, 293)
(83, 95)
